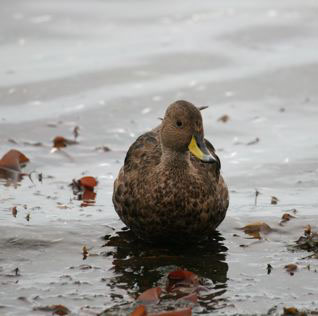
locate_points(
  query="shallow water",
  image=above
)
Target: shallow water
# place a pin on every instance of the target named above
(111, 68)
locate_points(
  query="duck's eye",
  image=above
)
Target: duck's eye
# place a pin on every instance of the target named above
(179, 123)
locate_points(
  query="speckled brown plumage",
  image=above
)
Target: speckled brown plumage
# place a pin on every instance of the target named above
(163, 193)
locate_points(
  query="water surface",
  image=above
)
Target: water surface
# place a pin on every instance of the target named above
(111, 68)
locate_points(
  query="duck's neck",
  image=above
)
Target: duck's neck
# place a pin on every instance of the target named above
(175, 160)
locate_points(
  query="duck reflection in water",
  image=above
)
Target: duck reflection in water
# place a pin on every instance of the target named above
(139, 266)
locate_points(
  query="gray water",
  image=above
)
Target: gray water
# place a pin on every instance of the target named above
(111, 68)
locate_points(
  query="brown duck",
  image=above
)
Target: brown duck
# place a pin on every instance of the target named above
(170, 188)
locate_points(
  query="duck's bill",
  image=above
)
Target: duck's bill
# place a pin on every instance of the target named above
(198, 148)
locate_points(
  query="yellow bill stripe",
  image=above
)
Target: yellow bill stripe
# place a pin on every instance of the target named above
(195, 150)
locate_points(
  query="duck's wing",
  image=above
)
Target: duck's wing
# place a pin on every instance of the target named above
(140, 159)
(144, 152)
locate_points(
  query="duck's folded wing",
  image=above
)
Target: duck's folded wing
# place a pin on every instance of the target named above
(144, 152)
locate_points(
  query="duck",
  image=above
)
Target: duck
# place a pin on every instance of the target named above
(170, 188)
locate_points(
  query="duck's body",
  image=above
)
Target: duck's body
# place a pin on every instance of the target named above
(166, 194)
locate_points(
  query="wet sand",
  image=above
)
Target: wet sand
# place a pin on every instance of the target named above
(111, 68)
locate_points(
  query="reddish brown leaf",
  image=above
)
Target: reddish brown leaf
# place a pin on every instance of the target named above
(224, 118)
(290, 311)
(60, 142)
(139, 311)
(291, 268)
(180, 312)
(85, 252)
(150, 296)
(13, 159)
(256, 228)
(286, 217)
(14, 211)
(55, 309)
(181, 278)
(255, 235)
(60, 310)
(84, 189)
(89, 196)
(87, 182)
(183, 275)
(307, 230)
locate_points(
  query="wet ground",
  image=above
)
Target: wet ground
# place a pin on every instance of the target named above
(111, 68)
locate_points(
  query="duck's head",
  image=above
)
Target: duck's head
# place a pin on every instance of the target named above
(182, 130)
